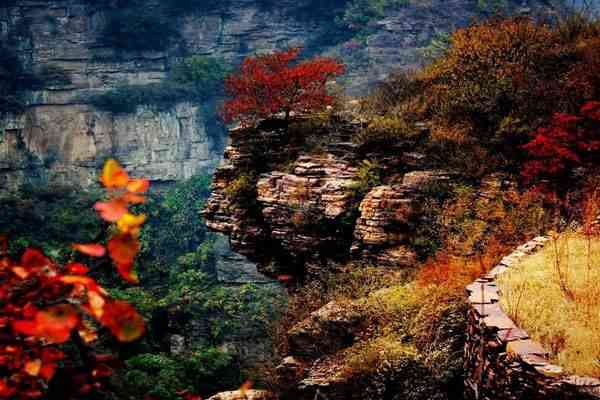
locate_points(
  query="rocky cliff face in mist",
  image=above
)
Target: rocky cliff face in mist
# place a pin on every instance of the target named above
(62, 138)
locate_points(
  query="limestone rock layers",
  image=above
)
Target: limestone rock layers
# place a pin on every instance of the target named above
(294, 205)
(61, 138)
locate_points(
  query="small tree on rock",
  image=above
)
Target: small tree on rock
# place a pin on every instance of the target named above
(266, 85)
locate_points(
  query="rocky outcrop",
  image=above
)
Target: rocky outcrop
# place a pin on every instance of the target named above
(244, 395)
(294, 221)
(252, 151)
(316, 193)
(327, 330)
(301, 215)
(388, 215)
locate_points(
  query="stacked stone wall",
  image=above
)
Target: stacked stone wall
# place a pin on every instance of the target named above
(501, 360)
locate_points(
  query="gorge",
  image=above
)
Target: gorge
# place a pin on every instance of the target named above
(321, 252)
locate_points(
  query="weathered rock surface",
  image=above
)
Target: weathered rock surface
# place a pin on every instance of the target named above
(387, 218)
(290, 371)
(67, 144)
(385, 213)
(326, 331)
(245, 395)
(318, 191)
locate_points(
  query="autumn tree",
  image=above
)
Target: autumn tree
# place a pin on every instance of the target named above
(266, 85)
(569, 142)
(44, 305)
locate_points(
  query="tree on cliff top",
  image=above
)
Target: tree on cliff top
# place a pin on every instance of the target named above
(269, 84)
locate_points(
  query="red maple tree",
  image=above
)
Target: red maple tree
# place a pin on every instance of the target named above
(266, 85)
(44, 304)
(569, 142)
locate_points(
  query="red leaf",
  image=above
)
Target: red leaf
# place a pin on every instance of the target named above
(123, 321)
(56, 323)
(112, 210)
(50, 354)
(128, 273)
(24, 327)
(34, 259)
(113, 175)
(6, 391)
(133, 198)
(138, 185)
(93, 250)
(123, 249)
(76, 269)
(47, 371)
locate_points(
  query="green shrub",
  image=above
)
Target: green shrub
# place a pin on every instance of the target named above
(125, 99)
(15, 79)
(368, 176)
(438, 46)
(385, 131)
(241, 189)
(194, 79)
(203, 372)
(205, 73)
(174, 230)
(49, 217)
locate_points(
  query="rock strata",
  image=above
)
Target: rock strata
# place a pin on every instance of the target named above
(318, 191)
(387, 218)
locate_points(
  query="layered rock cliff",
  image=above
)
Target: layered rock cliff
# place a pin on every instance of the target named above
(289, 220)
(61, 137)
(301, 213)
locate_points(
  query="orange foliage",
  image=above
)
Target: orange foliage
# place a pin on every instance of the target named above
(456, 272)
(43, 304)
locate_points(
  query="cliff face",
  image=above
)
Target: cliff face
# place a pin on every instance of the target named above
(301, 207)
(300, 213)
(67, 144)
(61, 137)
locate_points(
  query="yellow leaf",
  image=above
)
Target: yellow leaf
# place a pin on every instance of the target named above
(113, 175)
(130, 223)
(33, 367)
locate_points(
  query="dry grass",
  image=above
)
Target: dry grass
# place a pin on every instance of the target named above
(555, 296)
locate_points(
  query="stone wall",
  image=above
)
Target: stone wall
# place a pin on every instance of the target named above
(501, 361)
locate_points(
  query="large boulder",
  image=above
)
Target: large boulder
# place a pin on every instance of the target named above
(244, 395)
(327, 330)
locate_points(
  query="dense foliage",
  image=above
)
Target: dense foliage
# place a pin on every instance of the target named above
(178, 293)
(270, 84)
(488, 93)
(45, 305)
(571, 142)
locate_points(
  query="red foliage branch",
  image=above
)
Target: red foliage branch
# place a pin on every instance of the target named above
(570, 142)
(269, 84)
(43, 304)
